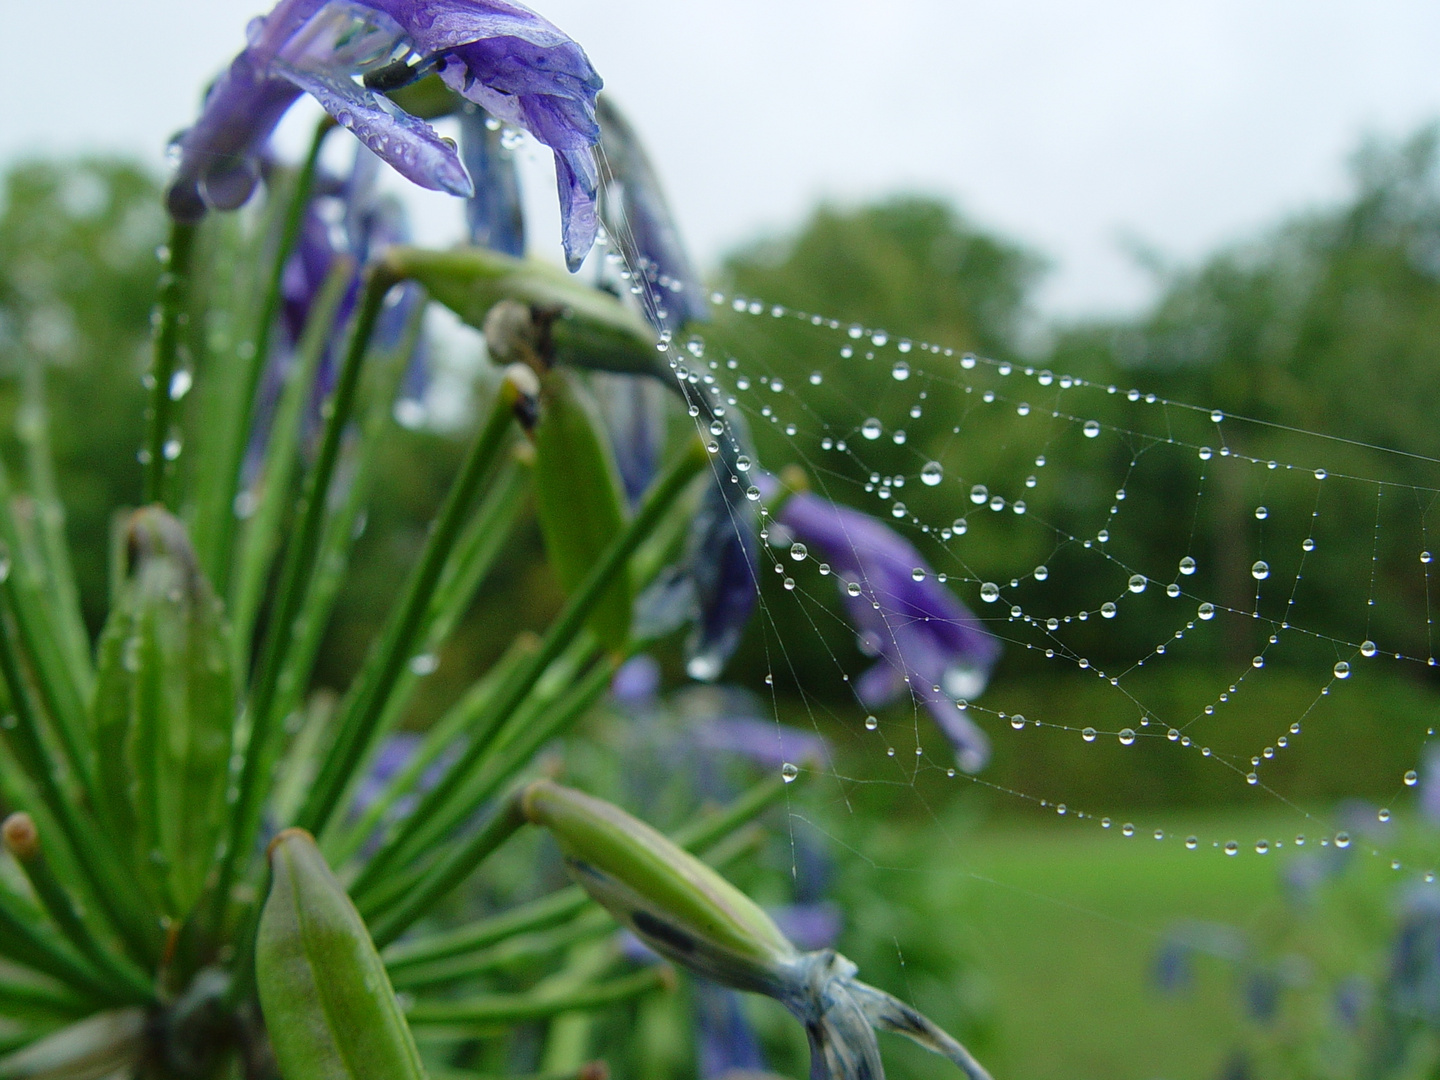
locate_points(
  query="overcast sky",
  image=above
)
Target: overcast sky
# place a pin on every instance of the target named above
(1071, 126)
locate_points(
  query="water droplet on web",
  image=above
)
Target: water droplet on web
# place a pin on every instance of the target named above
(898, 510)
(1017, 721)
(1091, 428)
(1262, 847)
(1320, 474)
(1411, 778)
(1367, 648)
(798, 551)
(932, 473)
(1217, 416)
(1342, 670)
(1127, 829)
(1088, 734)
(1206, 611)
(871, 723)
(1257, 661)
(1383, 815)
(752, 493)
(1232, 848)
(1261, 513)
(816, 378)
(979, 493)
(1187, 566)
(788, 772)
(918, 574)
(959, 526)
(1307, 544)
(1107, 610)
(1342, 840)
(1023, 409)
(853, 588)
(997, 503)
(1127, 736)
(1052, 623)
(1260, 571)
(871, 428)
(1172, 590)
(171, 449)
(742, 463)
(1424, 556)
(900, 371)
(1192, 842)
(424, 664)
(1137, 582)
(989, 592)
(898, 438)
(1040, 573)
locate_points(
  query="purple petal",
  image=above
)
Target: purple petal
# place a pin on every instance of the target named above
(765, 742)
(809, 926)
(411, 146)
(635, 684)
(494, 212)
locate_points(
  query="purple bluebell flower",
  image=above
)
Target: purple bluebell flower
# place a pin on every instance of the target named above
(633, 408)
(726, 1042)
(1430, 786)
(495, 53)
(494, 212)
(635, 684)
(927, 641)
(639, 223)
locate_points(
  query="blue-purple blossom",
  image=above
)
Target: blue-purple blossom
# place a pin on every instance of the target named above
(640, 225)
(633, 408)
(497, 54)
(928, 643)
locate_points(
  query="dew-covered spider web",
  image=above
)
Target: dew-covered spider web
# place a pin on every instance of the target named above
(1103, 534)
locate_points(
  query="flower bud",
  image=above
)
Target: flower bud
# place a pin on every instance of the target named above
(328, 1003)
(671, 900)
(164, 711)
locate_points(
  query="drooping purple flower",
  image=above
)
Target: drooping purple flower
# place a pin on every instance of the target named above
(494, 212)
(495, 53)
(633, 408)
(924, 636)
(640, 224)
(726, 1043)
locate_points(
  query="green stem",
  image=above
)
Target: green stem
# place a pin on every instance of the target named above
(295, 579)
(562, 631)
(263, 533)
(258, 356)
(453, 868)
(61, 908)
(25, 1001)
(22, 941)
(494, 1010)
(89, 850)
(510, 952)
(366, 703)
(174, 295)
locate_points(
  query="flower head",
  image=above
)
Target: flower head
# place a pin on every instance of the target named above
(924, 637)
(496, 54)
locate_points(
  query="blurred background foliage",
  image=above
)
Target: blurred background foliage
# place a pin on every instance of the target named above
(1329, 322)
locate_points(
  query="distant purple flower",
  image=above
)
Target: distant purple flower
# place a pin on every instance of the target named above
(494, 212)
(633, 407)
(764, 742)
(726, 1042)
(923, 635)
(639, 223)
(1430, 786)
(498, 54)
(636, 683)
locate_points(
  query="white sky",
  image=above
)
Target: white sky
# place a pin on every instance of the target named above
(1180, 123)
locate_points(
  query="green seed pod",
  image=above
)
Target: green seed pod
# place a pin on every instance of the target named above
(578, 500)
(328, 1004)
(674, 902)
(163, 713)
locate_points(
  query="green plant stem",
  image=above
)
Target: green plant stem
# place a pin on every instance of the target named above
(28, 1001)
(295, 578)
(562, 631)
(61, 908)
(262, 536)
(174, 295)
(454, 867)
(512, 951)
(244, 414)
(23, 941)
(88, 848)
(364, 706)
(446, 730)
(72, 638)
(565, 904)
(471, 1015)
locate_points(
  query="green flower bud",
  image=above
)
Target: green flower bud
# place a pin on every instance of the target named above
(671, 900)
(164, 712)
(328, 1004)
(686, 911)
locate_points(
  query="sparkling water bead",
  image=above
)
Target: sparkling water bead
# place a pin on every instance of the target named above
(1260, 570)
(1367, 648)
(1127, 736)
(1088, 734)
(989, 592)
(1091, 428)
(871, 428)
(1137, 583)
(1342, 670)
(1187, 566)
(932, 473)
(1411, 778)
